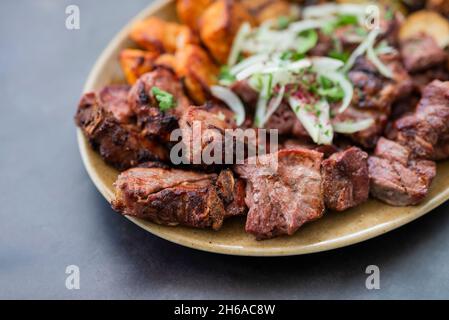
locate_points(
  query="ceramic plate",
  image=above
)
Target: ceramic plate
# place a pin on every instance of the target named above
(335, 230)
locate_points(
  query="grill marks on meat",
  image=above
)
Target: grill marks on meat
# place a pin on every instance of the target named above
(421, 52)
(425, 131)
(345, 179)
(396, 178)
(176, 197)
(119, 144)
(282, 194)
(155, 123)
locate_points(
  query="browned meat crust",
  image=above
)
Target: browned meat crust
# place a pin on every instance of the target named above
(177, 197)
(345, 179)
(282, 194)
(121, 145)
(395, 178)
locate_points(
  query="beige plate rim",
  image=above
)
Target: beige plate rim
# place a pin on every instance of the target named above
(166, 232)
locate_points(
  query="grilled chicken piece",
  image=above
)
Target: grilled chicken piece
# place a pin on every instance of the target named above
(283, 192)
(135, 62)
(263, 10)
(119, 144)
(345, 179)
(177, 197)
(190, 11)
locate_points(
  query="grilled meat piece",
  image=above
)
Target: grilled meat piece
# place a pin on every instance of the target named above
(156, 123)
(120, 144)
(396, 178)
(176, 197)
(423, 78)
(203, 133)
(421, 53)
(428, 127)
(345, 179)
(114, 98)
(374, 96)
(283, 191)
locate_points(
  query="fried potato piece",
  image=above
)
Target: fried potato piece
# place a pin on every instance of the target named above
(441, 6)
(197, 70)
(428, 22)
(135, 62)
(190, 11)
(155, 34)
(219, 24)
(263, 10)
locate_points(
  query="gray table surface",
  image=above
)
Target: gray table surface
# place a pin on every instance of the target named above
(52, 216)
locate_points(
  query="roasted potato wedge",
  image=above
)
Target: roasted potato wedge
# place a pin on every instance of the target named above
(135, 62)
(197, 70)
(155, 34)
(429, 22)
(190, 11)
(263, 10)
(219, 24)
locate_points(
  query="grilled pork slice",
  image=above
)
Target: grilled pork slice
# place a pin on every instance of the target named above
(421, 52)
(157, 123)
(345, 179)
(283, 191)
(426, 131)
(396, 178)
(177, 197)
(120, 144)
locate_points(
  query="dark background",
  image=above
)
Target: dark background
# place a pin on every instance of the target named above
(52, 216)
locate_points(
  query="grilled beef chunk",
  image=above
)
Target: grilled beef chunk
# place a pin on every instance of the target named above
(203, 130)
(396, 178)
(114, 98)
(345, 179)
(421, 53)
(156, 123)
(423, 78)
(177, 197)
(120, 144)
(306, 143)
(374, 96)
(248, 95)
(283, 191)
(425, 131)
(286, 122)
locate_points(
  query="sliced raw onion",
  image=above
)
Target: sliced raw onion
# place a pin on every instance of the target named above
(317, 126)
(248, 62)
(272, 67)
(264, 97)
(345, 85)
(326, 10)
(304, 25)
(274, 104)
(383, 69)
(231, 100)
(361, 49)
(349, 127)
(325, 64)
(237, 45)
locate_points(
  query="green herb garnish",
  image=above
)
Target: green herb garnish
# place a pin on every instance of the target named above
(283, 22)
(340, 55)
(165, 99)
(225, 77)
(307, 40)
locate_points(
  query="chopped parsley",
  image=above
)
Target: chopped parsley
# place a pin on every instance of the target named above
(339, 55)
(329, 90)
(342, 20)
(292, 55)
(225, 77)
(164, 99)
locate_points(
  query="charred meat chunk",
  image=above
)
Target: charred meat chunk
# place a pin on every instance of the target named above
(176, 197)
(345, 179)
(396, 178)
(114, 98)
(428, 127)
(157, 123)
(121, 145)
(203, 133)
(421, 52)
(284, 191)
